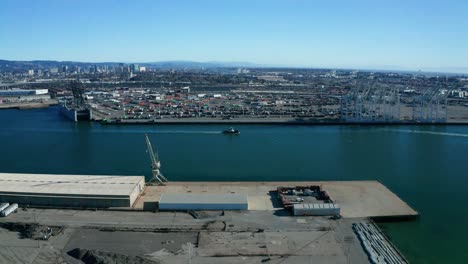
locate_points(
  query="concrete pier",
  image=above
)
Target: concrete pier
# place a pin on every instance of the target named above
(356, 198)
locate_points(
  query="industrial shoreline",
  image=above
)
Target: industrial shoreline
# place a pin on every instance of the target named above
(28, 105)
(266, 121)
(266, 232)
(103, 119)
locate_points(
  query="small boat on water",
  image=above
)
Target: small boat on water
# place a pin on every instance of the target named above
(231, 131)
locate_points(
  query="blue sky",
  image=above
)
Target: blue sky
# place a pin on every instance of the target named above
(352, 34)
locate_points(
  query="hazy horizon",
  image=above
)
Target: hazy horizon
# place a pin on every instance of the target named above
(247, 64)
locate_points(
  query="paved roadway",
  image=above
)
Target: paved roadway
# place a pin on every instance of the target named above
(232, 237)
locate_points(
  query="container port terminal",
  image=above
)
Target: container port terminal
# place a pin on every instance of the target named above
(145, 94)
(126, 219)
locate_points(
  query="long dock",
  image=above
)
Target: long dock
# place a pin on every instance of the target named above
(357, 198)
(268, 121)
(29, 105)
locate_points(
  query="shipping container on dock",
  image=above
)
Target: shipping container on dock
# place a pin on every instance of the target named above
(324, 209)
(10, 209)
(3, 206)
(197, 201)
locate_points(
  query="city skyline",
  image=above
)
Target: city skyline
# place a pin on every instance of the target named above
(363, 35)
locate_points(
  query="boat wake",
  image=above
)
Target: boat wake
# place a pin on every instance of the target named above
(428, 132)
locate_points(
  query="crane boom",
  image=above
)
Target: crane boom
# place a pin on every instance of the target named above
(155, 164)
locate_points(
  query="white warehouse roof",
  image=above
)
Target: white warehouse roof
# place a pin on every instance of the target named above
(62, 189)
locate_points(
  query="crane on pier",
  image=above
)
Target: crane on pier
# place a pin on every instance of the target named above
(78, 101)
(155, 165)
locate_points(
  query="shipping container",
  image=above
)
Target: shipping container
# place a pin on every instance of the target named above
(10, 209)
(3, 206)
(316, 209)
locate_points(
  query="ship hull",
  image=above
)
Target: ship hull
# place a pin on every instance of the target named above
(76, 115)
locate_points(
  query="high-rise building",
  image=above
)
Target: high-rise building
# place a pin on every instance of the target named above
(121, 68)
(30, 72)
(135, 68)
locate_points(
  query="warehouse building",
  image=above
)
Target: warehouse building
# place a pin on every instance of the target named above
(70, 190)
(20, 95)
(192, 201)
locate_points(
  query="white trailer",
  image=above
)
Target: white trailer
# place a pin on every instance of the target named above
(10, 209)
(3, 206)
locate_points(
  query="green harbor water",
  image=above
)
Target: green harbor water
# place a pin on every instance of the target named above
(426, 166)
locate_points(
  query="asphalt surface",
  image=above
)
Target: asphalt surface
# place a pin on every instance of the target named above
(168, 237)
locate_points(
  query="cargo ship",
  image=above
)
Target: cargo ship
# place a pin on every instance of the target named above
(76, 114)
(76, 109)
